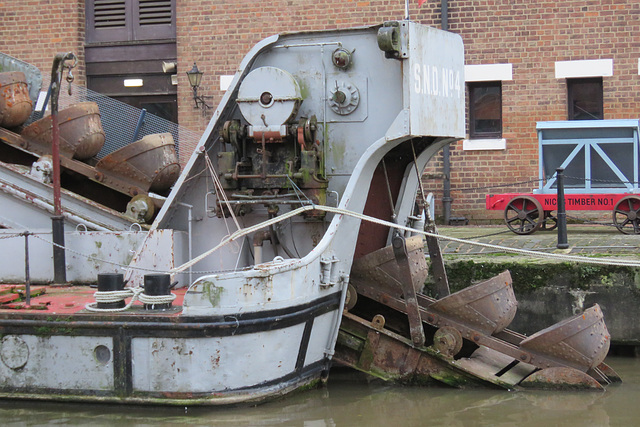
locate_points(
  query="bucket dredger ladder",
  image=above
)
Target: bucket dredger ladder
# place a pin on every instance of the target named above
(392, 331)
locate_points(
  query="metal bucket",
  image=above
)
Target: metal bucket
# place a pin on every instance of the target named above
(489, 306)
(81, 133)
(380, 269)
(15, 104)
(151, 163)
(582, 340)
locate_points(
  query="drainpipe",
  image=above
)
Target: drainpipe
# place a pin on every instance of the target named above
(446, 191)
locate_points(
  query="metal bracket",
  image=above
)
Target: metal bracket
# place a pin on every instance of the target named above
(329, 274)
(410, 297)
(393, 39)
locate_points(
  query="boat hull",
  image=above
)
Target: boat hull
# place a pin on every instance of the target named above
(166, 358)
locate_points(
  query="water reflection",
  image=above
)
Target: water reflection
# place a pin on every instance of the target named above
(351, 400)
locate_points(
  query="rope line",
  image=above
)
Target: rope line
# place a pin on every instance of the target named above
(338, 211)
(248, 230)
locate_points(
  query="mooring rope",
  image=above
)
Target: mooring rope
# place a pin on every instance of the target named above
(339, 211)
(248, 230)
(136, 294)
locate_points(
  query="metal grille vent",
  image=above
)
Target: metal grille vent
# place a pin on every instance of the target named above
(155, 12)
(120, 120)
(109, 13)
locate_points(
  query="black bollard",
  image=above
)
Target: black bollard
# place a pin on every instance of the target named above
(108, 282)
(27, 274)
(155, 285)
(562, 213)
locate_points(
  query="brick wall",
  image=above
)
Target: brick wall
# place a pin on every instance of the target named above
(217, 35)
(36, 30)
(531, 35)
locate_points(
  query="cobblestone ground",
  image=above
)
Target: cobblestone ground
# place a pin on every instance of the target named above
(591, 240)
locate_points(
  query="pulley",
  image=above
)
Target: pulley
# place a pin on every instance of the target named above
(268, 98)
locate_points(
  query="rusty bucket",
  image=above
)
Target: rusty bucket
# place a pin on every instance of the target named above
(489, 306)
(150, 163)
(15, 104)
(380, 269)
(582, 340)
(81, 133)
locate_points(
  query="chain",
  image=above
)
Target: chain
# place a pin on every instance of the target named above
(11, 236)
(121, 266)
(491, 234)
(600, 180)
(488, 187)
(518, 183)
(588, 221)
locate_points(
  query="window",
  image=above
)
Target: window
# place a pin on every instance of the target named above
(585, 99)
(130, 20)
(485, 110)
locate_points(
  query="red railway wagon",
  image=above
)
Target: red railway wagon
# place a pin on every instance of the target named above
(600, 159)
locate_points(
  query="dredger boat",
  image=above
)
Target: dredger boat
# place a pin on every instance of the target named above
(236, 291)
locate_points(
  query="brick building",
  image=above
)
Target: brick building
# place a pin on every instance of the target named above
(528, 61)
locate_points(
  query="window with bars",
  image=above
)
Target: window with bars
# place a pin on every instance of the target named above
(130, 20)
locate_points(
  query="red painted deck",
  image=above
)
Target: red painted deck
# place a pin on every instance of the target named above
(58, 299)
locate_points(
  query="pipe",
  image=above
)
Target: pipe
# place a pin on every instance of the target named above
(29, 197)
(446, 155)
(27, 276)
(139, 125)
(444, 12)
(190, 235)
(258, 239)
(446, 189)
(57, 220)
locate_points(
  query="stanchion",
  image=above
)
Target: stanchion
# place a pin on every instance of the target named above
(57, 220)
(27, 275)
(562, 213)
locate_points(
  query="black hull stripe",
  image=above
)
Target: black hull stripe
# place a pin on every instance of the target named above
(172, 327)
(304, 344)
(259, 393)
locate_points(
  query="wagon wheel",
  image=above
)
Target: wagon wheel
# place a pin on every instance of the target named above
(550, 221)
(626, 215)
(523, 215)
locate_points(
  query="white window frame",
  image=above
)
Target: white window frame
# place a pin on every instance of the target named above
(486, 73)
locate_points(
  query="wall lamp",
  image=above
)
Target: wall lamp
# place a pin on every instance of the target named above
(195, 76)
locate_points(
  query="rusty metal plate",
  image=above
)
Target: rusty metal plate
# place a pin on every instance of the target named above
(495, 367)
(560, 379)
(381, 270)
(489, 306)
(150, 163)
(582, 340)
(15, 104)
(81, 133)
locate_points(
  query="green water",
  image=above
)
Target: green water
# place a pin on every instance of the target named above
(350, 400)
